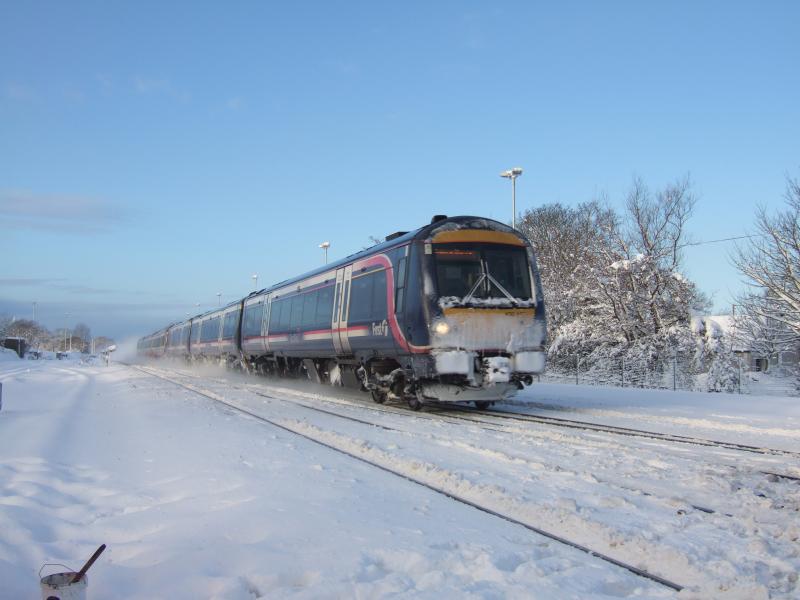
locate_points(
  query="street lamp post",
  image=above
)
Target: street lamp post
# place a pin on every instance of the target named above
(255, 281)
(512, 174)
(66, 320)
(325, 246)
(34, 311)
(219, 298)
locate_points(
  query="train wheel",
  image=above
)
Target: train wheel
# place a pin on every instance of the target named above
(414, 403)
(378, 397)
(482, 404)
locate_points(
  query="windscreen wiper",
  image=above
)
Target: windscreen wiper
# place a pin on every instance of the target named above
(502, 289)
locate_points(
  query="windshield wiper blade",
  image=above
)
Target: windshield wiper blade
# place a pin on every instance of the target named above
(501, 288)
(474, 289)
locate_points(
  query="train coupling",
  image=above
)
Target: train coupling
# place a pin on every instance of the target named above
(496, 369)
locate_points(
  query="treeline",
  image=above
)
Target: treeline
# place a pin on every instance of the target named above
(616, 292)
(78, 339)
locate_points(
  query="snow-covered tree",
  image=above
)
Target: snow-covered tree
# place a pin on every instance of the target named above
(715, 354)
(33, 333)
(764, 336)
(770, 263)
(5, 321)
(613, 283)
(566, 241)
(643, 281)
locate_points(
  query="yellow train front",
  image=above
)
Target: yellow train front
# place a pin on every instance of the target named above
(470, 315)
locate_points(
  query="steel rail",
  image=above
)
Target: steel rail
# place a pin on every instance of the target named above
(589, 426)
(557, 538)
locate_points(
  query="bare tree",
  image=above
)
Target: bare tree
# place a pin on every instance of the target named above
(766, 337)
(33, 333)
(567, 242)
(81, 337)
(612, 282)
(770, 264)
(648, 292)
(5, 322)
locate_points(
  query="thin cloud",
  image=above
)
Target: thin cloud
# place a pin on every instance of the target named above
(148, 86)
(83, 290)
(56, 213)
(59, 283)
(27, 281)
(19, 92)
(235, 103)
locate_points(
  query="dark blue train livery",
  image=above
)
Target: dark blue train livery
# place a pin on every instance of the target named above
(451, 312)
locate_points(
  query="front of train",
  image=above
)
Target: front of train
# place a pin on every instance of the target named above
(485, 311)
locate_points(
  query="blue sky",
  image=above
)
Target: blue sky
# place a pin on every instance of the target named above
(153, 154)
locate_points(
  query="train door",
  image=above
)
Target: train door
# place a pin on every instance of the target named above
(265, 322)
(341, 301)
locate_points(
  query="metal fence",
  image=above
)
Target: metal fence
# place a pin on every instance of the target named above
(676, 372)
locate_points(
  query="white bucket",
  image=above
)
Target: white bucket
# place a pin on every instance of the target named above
(60, 586)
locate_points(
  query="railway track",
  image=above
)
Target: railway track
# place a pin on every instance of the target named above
(309, 435)
(626, 431)
(495, 420)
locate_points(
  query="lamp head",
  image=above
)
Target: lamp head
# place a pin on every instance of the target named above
(511, 173)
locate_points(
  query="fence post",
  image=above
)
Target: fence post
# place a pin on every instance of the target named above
(674, 370)
(739, 378)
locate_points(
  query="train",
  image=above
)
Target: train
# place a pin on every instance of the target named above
(452, 312)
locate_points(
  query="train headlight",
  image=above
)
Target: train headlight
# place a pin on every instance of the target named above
(442, 328)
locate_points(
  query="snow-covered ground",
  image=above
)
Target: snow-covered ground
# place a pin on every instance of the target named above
(196, 500)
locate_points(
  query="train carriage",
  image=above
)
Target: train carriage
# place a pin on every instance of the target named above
(451, 312)
(153, 345)
(178, 341)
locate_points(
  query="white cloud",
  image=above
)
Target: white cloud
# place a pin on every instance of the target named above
(64, 214)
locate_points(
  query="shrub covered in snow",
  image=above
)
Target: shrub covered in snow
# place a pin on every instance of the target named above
(8, 355)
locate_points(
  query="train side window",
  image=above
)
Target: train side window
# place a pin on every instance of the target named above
(368, 298)
(346, 301)
(297, 312)
(264, 318)
(324, 308)
(274, 316)
(400, 286)
(336, 293)
(360, 298)
(401, 272)
(228, 325)
(378, 307)
(252, 320)
(281, 311)
(210, 332)
(308, 320)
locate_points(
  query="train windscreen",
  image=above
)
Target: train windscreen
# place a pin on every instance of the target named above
(482, 271)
